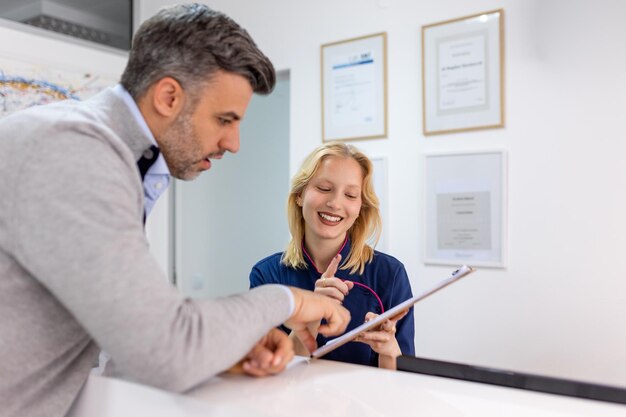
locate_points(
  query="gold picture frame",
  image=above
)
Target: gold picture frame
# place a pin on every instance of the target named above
(463, 74)
(354, 88)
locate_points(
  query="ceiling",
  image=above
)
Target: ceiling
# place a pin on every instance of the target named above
(106, 22)
(114, 10)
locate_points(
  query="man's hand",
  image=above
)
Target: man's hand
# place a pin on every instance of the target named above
(330, 286)
(269, 356)
(311, 308)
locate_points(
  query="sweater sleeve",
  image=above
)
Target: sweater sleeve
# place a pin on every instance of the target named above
(80, 235)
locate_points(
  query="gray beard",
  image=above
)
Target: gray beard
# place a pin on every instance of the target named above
(180, 148)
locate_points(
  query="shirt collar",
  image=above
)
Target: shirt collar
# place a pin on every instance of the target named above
(344, 251)
(159, 166)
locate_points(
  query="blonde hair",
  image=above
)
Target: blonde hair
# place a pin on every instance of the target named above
(367, 225)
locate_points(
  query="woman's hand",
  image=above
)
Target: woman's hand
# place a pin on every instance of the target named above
(331, 286)
(382, 340)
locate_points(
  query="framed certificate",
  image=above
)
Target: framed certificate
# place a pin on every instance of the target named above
(354, 88)
(466, 208)
(463, 74)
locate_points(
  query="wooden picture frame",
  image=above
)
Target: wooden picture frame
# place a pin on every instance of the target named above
(354, 88)
(463, 74)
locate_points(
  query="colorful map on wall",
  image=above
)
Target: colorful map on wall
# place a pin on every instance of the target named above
(24, 85)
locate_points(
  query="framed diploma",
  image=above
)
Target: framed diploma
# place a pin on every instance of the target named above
(463, 74)
(466, 208)
(354, 88)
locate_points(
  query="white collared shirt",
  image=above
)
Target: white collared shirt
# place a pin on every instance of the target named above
(157, 179)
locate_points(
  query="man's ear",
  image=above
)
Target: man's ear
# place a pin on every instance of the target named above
(168, 97)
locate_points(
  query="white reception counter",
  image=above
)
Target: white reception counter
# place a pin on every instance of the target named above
(329, 389)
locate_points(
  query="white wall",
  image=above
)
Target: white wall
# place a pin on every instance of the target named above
(559, 307)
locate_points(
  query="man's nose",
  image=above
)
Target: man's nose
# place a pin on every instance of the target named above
(231, 142)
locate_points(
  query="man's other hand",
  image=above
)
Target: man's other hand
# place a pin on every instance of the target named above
(311, 308)
(269, 356)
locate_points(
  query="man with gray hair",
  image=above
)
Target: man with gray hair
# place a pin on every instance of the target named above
(77, 180)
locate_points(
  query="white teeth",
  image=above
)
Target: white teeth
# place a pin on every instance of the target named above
(329, 218)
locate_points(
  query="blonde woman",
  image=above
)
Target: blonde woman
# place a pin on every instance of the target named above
(333, 212)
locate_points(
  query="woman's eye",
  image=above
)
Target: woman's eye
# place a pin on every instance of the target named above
(352, 197)
(324, 189)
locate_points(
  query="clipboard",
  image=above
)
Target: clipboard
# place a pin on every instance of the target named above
(347, 337)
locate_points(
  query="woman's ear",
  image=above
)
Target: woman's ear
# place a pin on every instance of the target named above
(299, 201)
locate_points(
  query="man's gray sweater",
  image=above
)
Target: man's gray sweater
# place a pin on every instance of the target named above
(76, 275)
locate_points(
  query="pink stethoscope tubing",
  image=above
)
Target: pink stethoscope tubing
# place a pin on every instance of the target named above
(382, 308)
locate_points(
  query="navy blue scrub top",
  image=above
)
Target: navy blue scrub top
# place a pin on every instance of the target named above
(384, 281)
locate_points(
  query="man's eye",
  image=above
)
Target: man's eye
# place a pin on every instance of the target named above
(224, 122)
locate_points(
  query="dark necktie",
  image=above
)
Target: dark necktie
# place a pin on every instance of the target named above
(148, 158)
